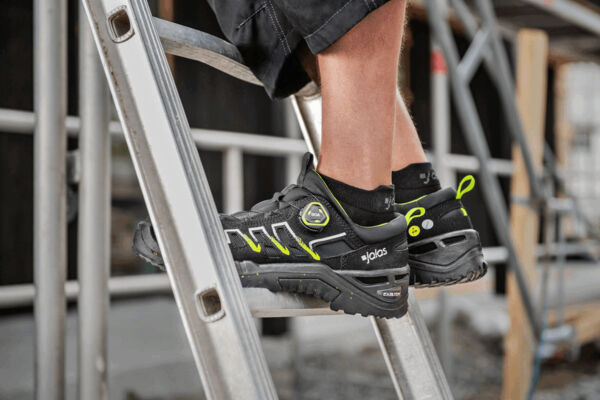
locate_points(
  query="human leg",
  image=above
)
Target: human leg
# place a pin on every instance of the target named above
(358, 87)
(407, 148)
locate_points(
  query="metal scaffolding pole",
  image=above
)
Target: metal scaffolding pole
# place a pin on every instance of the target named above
(94, 218)
(233, 180)
(50, 191)
(440, 122)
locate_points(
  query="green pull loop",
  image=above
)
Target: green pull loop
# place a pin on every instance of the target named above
(410, 215)
(461, 192)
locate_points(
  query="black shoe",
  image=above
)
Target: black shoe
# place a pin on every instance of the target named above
(443, 247)
(302, 241)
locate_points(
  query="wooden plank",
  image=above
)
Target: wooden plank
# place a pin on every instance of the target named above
(484, 285)
(531, 75)
(584, 318)
(564, 133)
(587, 326)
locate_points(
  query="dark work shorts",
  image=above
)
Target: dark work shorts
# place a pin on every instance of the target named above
(267, 33)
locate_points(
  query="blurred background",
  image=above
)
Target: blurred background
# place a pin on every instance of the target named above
(327, 356)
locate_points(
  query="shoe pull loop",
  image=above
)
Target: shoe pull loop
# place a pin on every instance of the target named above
(412, 214)
(461, 192)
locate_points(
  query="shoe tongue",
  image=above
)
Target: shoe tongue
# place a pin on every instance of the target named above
(306, 167)
(291, 195)
(310, 179)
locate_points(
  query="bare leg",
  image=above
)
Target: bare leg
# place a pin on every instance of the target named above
(407, 146)
(358, 86)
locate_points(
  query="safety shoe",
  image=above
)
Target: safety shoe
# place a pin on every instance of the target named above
(303, 241)
(443, 247)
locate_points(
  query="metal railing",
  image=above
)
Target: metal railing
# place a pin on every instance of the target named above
(233, 145)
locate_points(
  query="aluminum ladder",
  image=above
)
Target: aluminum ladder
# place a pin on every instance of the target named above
(216, 311)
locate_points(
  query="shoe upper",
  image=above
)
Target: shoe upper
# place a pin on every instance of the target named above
(305, 223)
(435, 214)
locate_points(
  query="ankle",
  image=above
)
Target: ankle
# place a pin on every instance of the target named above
(364, 207)
(414, 181)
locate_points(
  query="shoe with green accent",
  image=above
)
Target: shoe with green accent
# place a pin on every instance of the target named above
(302, 241)
(443, 247)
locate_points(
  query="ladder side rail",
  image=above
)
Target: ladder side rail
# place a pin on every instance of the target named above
(207, 290)
(475, 139)
(308, 112)
(410, 357)
(441, 138)
(409, 352)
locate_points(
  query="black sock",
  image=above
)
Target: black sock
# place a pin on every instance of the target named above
(364, 207)
(414, 181)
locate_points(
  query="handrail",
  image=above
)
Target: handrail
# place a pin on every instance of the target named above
(22, 122)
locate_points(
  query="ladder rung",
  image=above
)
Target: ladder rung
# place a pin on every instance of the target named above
(266, 304)
(200, 46)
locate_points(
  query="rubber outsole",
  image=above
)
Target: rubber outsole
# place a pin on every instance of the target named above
(384, 295)
(146, 246)
(448, 259)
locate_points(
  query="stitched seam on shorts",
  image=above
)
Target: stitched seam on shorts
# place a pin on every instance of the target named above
(329, 19)
(275, 28)
(374, 4)
(244, 22)
(367, 4)
(278, 28)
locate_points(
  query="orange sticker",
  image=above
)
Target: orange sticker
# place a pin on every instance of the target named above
(438, 64)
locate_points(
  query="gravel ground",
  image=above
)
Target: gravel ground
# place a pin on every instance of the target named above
(360, 373)
(476, 374)
(330, 358)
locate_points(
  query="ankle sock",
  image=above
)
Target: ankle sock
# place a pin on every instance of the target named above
(364, 207)
(414, 181)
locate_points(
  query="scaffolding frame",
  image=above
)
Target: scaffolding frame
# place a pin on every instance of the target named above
(486, 46)
(49, 21)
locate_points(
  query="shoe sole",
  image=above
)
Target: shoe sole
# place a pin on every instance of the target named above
(145, 245)
(382, 293)
(345, 292)
(447, 259)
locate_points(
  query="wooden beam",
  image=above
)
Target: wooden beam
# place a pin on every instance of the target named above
(564, 132)
(531, 75)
